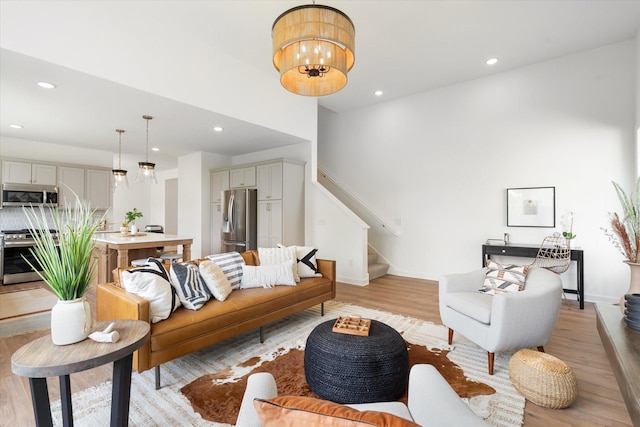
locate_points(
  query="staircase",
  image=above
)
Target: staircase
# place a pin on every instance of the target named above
(376, 269)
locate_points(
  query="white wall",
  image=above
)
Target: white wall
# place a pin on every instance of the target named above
(194, 198)
(439, 162)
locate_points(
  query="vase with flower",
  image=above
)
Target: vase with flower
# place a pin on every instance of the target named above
(624, 234)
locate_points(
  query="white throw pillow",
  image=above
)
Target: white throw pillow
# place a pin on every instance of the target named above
(267, 276)
(307, 265)
(215, 279)
(151, 282)
(270, 256)
(191, 289)
(505, 278)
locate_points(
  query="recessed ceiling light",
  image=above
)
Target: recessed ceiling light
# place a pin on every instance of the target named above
(46, 85)
(16, 126)
(218, 129)
(492, 61)
(378, 93)
(155, 149)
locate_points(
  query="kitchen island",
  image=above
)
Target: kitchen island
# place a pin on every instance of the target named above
(118, 250)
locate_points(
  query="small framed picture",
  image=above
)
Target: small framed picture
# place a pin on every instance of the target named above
(531, 207)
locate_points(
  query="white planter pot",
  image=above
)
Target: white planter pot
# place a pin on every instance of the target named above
(134, 229)
(71, 321)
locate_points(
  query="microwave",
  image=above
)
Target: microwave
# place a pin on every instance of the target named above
(29, 195)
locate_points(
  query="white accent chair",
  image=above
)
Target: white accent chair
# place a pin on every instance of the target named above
(431, 401)
(505, 321)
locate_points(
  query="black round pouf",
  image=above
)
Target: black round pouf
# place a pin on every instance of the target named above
(347, 368)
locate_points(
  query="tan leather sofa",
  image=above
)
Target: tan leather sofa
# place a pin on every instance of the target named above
(186, 331)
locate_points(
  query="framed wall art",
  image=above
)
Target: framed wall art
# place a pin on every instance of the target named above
(531, 207)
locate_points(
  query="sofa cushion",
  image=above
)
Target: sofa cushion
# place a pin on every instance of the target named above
(504, 278)
(267, 276)
(472, 304)
(294, 411)
(240, 306)
(269, 256)
(215, 279)
(306, 261)
(231, 263)
(189, 285)
(151, 282)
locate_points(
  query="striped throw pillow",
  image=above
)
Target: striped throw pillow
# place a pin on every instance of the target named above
(231, 264)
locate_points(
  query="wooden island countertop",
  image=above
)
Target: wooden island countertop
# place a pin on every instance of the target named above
(118, 250)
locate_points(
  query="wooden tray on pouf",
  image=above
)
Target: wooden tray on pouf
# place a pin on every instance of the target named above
(352, 326)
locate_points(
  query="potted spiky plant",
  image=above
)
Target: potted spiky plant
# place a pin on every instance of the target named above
(625, 233)
(65, 264)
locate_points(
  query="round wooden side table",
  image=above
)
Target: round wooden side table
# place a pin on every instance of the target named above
(41, 359)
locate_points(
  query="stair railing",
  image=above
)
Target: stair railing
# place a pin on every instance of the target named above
(352, 200)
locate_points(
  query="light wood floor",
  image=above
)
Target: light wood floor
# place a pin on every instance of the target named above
(575, 341)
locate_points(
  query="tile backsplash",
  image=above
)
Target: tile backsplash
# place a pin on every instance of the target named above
(13, 218)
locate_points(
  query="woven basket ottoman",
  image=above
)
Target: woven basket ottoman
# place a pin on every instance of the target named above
(347, 368)
(543, 379)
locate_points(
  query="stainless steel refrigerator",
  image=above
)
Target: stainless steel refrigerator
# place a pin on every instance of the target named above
(239, 220)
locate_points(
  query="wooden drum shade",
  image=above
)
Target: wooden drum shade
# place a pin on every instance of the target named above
(313, 49)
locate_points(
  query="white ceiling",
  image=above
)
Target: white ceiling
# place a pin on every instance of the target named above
(402, 48)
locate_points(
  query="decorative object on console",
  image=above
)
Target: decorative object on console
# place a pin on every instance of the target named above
(65, 259)
(146, 169)
(567, 225)
(625, 234)
(531, 207)
(313, 49)
(119, 175)
(632, 311)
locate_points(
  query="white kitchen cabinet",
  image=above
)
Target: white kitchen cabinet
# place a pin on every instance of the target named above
(98, 188)
(270, 223)
(243, 177)
(219, 183)
(70, 180)
(28, 173)
(216, 228)
(269, 181)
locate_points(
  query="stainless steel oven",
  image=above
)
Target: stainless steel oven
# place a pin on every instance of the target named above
(15, 246)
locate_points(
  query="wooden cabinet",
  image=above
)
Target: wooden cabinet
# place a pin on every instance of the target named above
(28, 173)
(270, 181)
(280, 185)
(219, 183)
(270, 223)
(281, 218)
(243, 177)
(70, 180)
(98, 188)
(216, 228)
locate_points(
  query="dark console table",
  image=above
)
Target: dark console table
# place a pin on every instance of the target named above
(530, 251)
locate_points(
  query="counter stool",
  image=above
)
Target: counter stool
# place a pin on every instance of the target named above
(170, 257)
(543, 379)
(139, 262)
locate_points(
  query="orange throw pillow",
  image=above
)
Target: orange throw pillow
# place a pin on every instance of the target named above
(296, 411)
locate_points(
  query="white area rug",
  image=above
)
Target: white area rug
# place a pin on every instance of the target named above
(167, 406)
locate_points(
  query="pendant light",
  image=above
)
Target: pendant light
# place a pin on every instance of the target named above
(119, 175)
(313, 49)
(146, 169)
